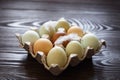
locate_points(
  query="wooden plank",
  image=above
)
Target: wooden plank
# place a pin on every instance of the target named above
(100, 17)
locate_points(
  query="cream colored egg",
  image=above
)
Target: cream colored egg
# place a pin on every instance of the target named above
(74, 47)
(48, 28)
(58, 56)
(90, 40)
(62, 23)
(76, 30)
(30, 36)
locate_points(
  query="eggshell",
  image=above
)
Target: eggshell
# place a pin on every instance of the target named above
(30, 36)
(59, 33)
(74, 47)
(62, 23)
(42, 44)
(64, 40)
(58, 56)
(65, 43)
(76, 30)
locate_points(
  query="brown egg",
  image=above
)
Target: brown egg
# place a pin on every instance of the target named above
(76, 30)
(42, 44)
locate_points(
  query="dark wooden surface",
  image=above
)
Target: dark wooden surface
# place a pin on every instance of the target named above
(102, 17)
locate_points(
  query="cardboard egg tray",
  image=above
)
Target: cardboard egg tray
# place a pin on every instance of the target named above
(73, 59)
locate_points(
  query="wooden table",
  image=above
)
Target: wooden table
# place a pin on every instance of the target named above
(102, 17)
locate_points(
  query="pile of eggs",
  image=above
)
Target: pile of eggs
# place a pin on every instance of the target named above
(63, 39)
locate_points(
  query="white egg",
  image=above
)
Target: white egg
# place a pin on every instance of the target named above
(74, 47)
(30, 36)
(58, 56)
(90, 40)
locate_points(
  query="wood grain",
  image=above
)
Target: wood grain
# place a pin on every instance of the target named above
(102, 17)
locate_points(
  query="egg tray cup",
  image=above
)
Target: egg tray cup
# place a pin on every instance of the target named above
(73, 59)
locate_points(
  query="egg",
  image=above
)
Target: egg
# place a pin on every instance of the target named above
(74, 47)
(76, 30)
(62, 23)
(59, 33)
(48, 28)
(30, 36)
(58, 56)
(42, 44)
(90, 40)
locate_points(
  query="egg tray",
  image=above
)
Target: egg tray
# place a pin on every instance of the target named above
(73, 59)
